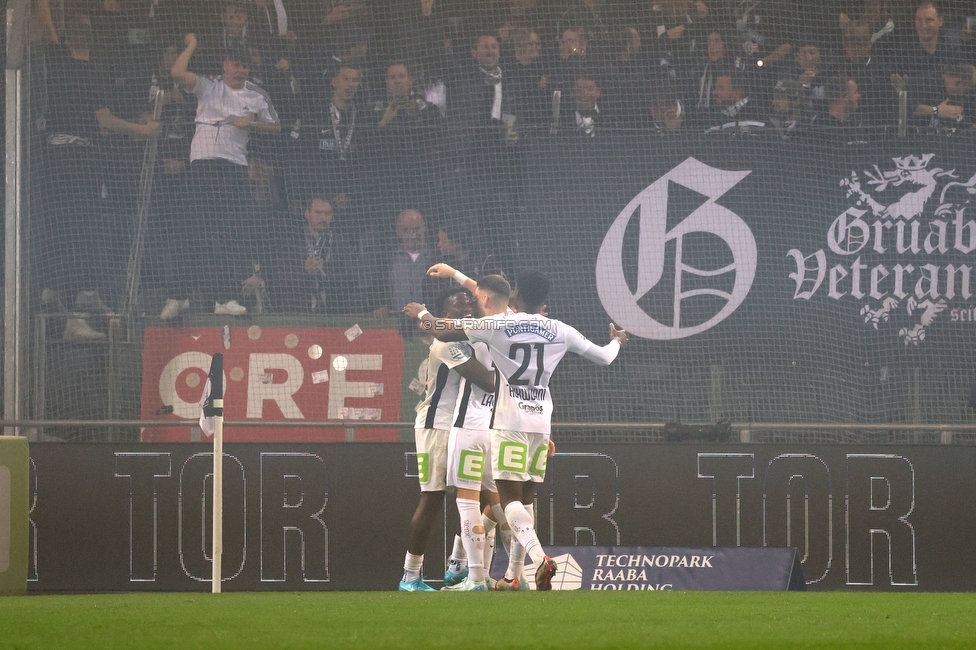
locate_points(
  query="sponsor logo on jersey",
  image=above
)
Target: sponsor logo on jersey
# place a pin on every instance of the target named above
(457, 352)
(530, 327)
(531, 409)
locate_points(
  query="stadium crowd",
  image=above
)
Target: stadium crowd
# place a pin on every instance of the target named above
(295, 138)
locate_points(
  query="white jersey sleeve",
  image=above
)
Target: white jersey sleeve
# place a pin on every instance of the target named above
(579, 344)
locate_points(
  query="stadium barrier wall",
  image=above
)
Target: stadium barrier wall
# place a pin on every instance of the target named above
(108, 517)
(14, 492)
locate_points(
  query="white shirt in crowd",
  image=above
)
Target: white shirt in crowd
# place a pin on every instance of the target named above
(217, 105)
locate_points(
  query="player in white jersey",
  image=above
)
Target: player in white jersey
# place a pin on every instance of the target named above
(447, 363)
(475, 413)
(469, 469)
(525, 347)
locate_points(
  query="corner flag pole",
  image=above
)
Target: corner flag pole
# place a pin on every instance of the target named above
(212, 421)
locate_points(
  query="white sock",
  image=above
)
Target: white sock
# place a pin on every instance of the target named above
(521, 522)
(473, 542)
(459, 558)
(412, 565)
(488, 523)
(489, 546)
(516, 560)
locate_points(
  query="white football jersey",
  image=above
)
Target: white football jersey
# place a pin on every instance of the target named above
(436, 410)
(475, 405)
(526, 348)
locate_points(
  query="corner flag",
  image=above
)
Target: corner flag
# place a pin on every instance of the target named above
(212, 402)
(212, 424)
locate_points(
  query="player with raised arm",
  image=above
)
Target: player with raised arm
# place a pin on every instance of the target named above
(493, 517)
(525, 347)
(447, 363)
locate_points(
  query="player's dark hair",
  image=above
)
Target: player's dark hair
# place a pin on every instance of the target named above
(497, 286)
(440, 303)
(533, 289)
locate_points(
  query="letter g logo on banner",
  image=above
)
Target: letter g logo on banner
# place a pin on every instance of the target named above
(611, 281)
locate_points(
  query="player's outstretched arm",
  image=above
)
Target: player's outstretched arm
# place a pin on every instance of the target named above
(475, 371)
(603, 355)
(442, 329)
(448, 272)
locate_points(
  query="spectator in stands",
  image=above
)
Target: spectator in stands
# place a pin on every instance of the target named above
(407, 148)
(732, 107)
(918, 66)
(476, 93)
(164, 252)
(718, 60)
(224, 243)
(525, 78)
(77, 241)
(231, 31)
(407, 270)
(594, 18)
(570, 58)
(877, 23)
(269, 65)
(842, 121)
(273, 23)
(667, 111)
(271, 19)
(423, 32)
(313, 272)
(863, 59)
(486, 151)
(808, 69)
(788, 105)
(586, 118)
(957, 108)
(403, 105)
(331, 142)
(341, 27)
(764, 29)
(625, 80)
(673, 34)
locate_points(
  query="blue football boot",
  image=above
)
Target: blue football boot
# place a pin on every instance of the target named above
(415, 585)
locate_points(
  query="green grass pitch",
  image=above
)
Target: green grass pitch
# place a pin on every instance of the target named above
(508, 620)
